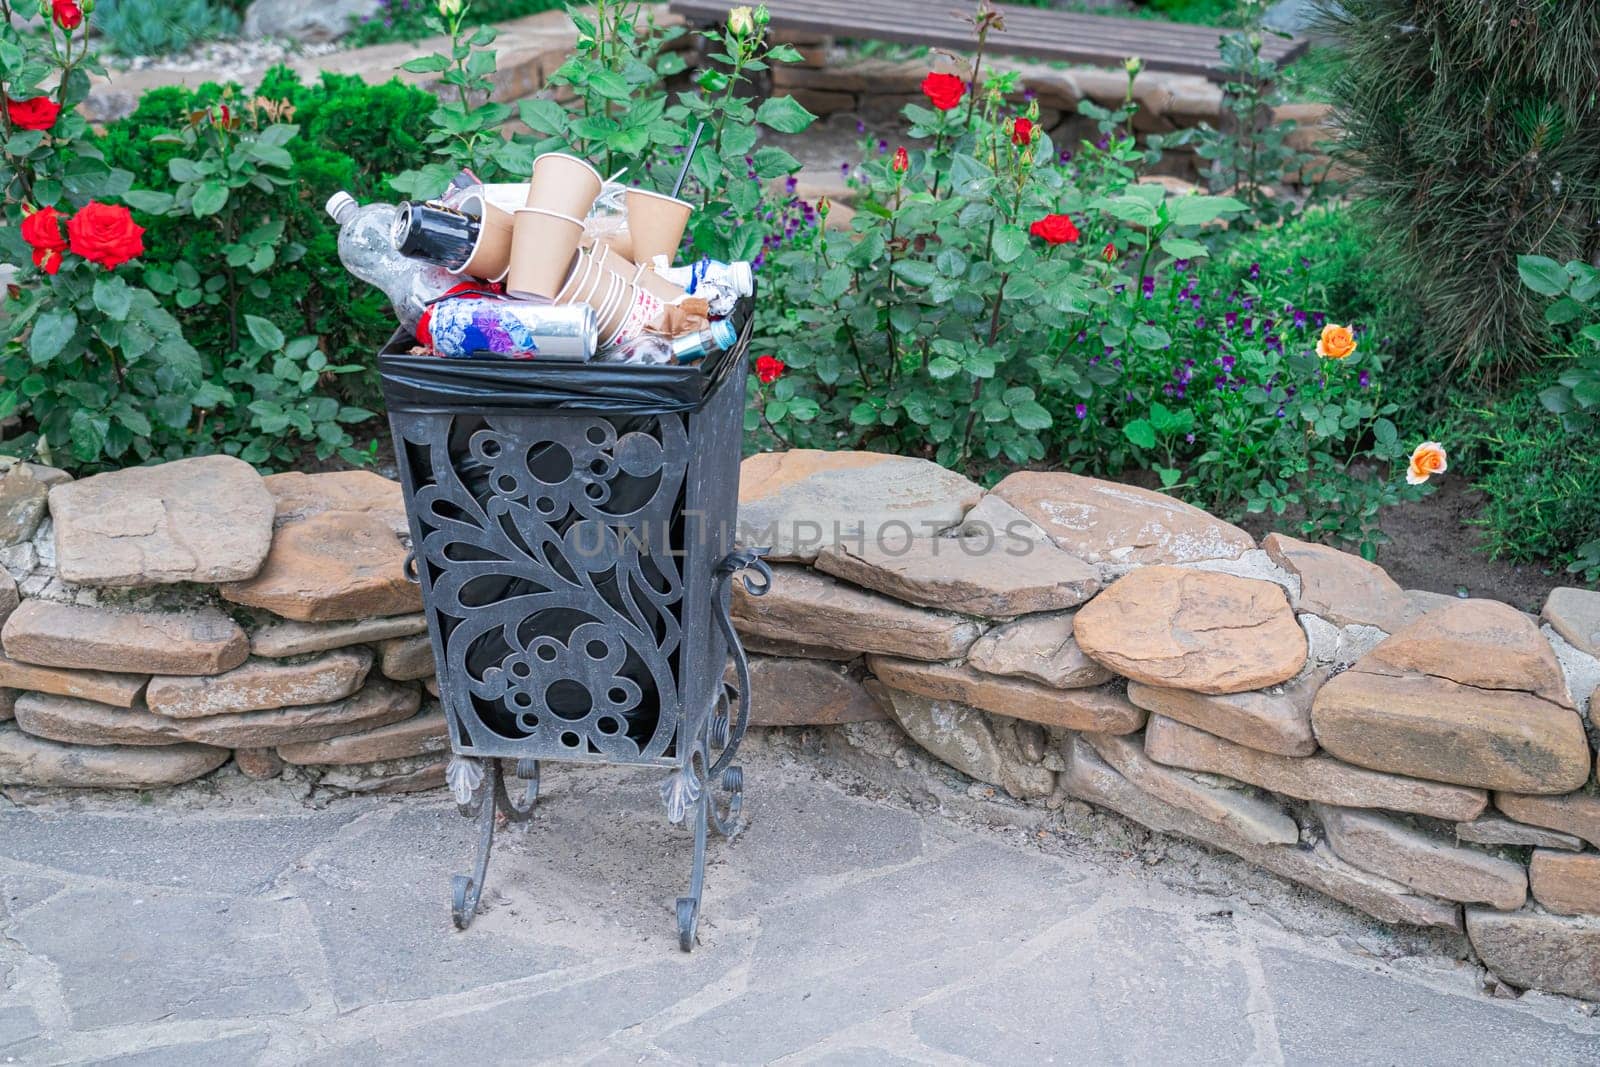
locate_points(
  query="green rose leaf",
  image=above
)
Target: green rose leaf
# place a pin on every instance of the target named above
(784, 114)
(266, 334)
(51, 334)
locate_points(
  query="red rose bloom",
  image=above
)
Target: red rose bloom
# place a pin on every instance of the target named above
(1109, 252)
(106, 234)
(42, 229)
(769, 369)
(902, 161)
(944, 91)
(1022, 132)
(68, 15)
(36, 114)
(1055, 229)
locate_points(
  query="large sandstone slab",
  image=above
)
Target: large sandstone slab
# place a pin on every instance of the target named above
(971, 575)
(203, 641)
(282, 639)
(84, 722)
(1040, 648)
(1089, 778)
(1317, 778)
(299, 496)
(798, 501)
(1435, 728)
(34, 761)
(1000, 751)
(1575, 615)
(261, 685)
(1107, 522)
(121, 690)
(331, 567)
(1256, 820)
(193, 520)
(810, 608)
(1480, 643)
(1340, 587)
(1577, 814)
(1276, 721)
(1538, 951)
(806, 692)
(1426, 863)
(421, 735)
(1196, 630)
(1566, 883)
(1494, 829)
(1099, 710)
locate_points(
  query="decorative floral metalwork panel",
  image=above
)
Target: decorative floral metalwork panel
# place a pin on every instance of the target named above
(548, 554)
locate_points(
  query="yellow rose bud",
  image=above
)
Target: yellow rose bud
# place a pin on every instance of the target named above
(741, 20)
(450, 8)
(1133, 65)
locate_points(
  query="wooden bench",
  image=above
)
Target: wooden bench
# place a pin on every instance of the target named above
(1038, 33)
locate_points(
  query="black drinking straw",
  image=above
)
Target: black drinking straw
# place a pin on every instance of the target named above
(694, 143)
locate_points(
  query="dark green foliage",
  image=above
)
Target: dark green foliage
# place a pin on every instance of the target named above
(1542, 484)
(353, 136)
(1475, 126)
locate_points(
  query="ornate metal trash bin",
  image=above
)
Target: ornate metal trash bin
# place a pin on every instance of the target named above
(572, 529)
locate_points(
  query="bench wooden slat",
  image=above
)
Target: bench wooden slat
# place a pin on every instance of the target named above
(1034, 32)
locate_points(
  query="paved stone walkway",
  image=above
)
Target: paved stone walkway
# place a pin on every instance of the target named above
(234, 923)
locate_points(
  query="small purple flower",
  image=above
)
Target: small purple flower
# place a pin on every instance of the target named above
(1083, 335)
(1249, 327)
(790, 184)
(1299, 320)
(1255, 272)
(1231, 319)
(1082, 411)
(1199, 322)
(1104, 142)
(1148, 286)
(1180, 265)
(1319, 320)
(861, 127)
(1364, 379)
(1227, 364)
(883, 146)
(1189, 437)
(1066, 156)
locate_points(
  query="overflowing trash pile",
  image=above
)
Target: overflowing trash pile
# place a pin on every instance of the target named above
(568, 266)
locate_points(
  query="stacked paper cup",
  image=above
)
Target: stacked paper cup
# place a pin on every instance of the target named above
(549, 258)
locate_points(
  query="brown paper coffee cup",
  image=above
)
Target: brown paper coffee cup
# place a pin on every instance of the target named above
(542, 245)
(656, 223)
(563, 184)
(491, 256)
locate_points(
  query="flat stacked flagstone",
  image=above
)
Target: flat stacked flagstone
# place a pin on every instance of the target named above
(964, 574)
(49, 634)
(1471, 694)
(334, 566)
(799, 501)
(805, 606)
(1188, 629)
(1040, 648)
(1060, 637)
(806, 692)
(1318, 777)
(262, 684)
(1105, 522)
(195, 520)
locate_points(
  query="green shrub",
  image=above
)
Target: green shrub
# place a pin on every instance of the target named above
(352, 136)
(1541, 484)
(161, 27)
(1475, 128)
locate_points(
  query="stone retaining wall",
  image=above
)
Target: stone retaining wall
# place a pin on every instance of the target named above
(1425, 759)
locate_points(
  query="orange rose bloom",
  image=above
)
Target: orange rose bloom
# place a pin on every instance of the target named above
(1429, 459)
(1337, 342)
